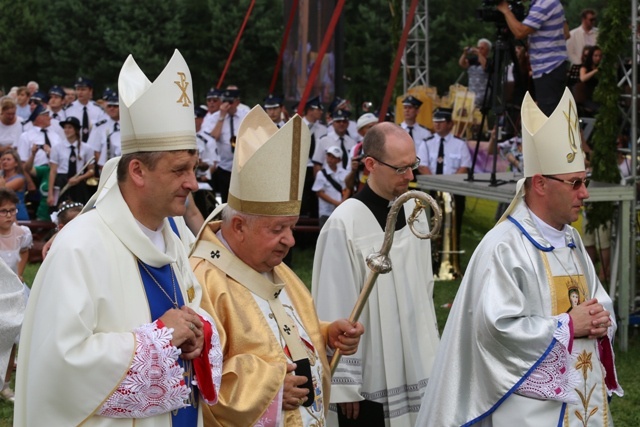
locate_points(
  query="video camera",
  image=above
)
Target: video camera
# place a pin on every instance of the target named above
(489, 13)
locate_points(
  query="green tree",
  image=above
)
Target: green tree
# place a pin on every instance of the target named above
(20, 40)
(614, 41)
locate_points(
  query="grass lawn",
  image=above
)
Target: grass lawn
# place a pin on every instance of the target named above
(478, 219)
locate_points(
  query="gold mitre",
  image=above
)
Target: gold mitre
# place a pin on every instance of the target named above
(269, 165)
(156, 116)
(552, 145)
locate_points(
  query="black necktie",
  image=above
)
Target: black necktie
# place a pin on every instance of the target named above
(85, 124)
(46, 137)
(440, 165)
(232, 139)
(116, 128)
(312, 148)
(410, 129)
(55, 115)
(345, 157)
(72, 162)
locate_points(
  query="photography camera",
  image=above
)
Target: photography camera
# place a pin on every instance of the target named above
(228, 99)
(489, 13)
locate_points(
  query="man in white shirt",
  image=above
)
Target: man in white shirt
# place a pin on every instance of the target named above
(87, 111)
(584, 35)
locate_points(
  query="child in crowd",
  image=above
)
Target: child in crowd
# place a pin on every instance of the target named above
(15, 242)
(67, 212)
(329, 184)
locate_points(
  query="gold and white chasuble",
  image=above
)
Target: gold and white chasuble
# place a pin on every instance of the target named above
(508, 356)
(254, 351)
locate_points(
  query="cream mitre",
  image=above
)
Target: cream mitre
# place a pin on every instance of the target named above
(156, 116)
(269, 165)
(550, 145)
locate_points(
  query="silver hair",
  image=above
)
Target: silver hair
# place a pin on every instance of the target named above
(228, 213)
(485, 41)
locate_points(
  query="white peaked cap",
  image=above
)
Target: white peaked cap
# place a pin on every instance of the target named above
(156, 116)
(552, 145)
(269, 165)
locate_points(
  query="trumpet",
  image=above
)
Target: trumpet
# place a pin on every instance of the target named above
(380, 262)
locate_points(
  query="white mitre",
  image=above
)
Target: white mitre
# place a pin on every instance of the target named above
(156, 116)
(550, 145)
(269, 165)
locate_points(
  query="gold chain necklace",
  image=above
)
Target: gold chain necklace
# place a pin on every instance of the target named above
(174, 301)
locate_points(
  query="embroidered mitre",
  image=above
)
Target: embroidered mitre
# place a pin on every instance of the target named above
(269, 165)
(156, 116)
(551, 145)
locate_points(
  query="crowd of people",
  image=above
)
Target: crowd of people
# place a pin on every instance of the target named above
(192, 318)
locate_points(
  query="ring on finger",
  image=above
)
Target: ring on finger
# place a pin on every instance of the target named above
(602, 325)
(301, 401)
(192, 326)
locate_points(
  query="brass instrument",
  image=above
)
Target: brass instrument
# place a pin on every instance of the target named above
(449, 253)
(379, 262)
(80, 172)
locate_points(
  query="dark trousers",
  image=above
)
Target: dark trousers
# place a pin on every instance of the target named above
(371, 415)
(550, 88)
(309, 203)
(222, 179)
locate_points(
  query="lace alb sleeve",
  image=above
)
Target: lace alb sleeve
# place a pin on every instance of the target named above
(555, 378)
(154, 383)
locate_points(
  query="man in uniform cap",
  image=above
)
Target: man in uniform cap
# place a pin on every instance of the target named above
(273, 106)
(339, 137)
(383, 382)
(87, 111)
(419, 134)
(55, 105)
(128, 335)
(342, 104)
(515, 350)
(40, 134)
(444, 154)
(275, 369)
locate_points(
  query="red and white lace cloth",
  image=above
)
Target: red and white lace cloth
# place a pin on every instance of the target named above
(554, 378)
(154, 383)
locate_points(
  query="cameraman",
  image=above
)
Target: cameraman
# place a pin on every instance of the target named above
(547, 30)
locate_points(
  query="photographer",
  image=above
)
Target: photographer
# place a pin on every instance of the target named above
(226, 122)
(474, 60)
(547, 29)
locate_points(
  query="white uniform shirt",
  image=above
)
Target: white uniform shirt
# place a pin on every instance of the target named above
(318, 130)
(61, 152)
(419, 134)
(224, 146)
(456, 154)
(320, 153)
(208, 152)
(105, 139)
(94, 112)
(35, 136)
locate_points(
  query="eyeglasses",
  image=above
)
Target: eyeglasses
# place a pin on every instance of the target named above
(576, 184)
(8, 212)
(400, 170)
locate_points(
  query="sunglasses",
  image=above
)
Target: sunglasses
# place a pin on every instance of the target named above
(576, 184)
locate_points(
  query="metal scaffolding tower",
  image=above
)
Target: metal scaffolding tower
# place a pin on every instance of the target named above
(415, 61)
